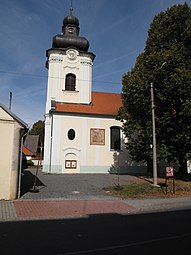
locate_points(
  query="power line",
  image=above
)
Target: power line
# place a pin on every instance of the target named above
(54, 77)
(24, 74)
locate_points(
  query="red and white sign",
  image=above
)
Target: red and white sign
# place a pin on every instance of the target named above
(169, 171)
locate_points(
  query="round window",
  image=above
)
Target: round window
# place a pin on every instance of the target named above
(71, 134)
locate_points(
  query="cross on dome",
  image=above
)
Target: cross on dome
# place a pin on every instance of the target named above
(71, 8)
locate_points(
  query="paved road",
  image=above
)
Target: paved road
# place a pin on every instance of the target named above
(154, 233)
(74, 186)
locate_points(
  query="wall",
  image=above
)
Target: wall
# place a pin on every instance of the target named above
(59, 66)
(90, 158)
(9, 156)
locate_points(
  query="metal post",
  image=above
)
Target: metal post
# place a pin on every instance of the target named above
(154, 138)
(10, 100)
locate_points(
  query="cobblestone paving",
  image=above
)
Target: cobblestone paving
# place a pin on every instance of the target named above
(7, 211)
(74, 186)
(61, 196)
(65, 208)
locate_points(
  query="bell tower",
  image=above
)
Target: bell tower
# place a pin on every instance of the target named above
(69, 65)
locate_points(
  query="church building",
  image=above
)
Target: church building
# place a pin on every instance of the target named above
(82, 134)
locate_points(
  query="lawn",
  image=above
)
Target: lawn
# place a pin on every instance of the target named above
(143, 188)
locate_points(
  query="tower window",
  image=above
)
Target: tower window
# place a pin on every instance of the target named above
(115, 138)
(70, 82)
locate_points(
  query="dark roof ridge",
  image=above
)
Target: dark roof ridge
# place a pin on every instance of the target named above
(14, 116)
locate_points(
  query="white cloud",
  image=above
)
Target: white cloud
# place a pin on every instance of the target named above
(110, 61)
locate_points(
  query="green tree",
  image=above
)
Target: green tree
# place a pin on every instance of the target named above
(38, 129)
(166, 61)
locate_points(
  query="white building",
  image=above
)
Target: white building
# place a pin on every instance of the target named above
(81, 132)
(12, 129)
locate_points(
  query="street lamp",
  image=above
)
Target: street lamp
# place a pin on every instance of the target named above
(154, 134)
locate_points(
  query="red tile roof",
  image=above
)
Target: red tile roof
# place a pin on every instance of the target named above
(102, 104)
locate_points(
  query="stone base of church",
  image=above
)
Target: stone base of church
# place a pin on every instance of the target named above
(94, 169)
(54, 169)
(57, 169)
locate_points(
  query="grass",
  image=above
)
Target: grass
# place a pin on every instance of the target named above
(143, 189)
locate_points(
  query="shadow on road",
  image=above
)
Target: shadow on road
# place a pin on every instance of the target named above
(28, 180)
(154, 233)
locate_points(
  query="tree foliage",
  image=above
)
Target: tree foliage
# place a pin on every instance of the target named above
(38, 129)
(166, 61)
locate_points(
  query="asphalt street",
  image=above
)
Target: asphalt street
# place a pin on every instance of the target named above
(88, 221)
(154, 233)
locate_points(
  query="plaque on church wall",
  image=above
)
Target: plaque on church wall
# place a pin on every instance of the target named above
(71, 164)
(97, 136)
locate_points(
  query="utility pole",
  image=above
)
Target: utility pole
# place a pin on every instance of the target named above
(154, 133)
(154, 138)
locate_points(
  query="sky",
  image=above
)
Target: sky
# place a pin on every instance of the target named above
(116, 29)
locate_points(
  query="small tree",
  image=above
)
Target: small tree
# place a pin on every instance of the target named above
(38, 129)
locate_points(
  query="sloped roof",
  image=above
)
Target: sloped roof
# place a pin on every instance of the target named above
(102, 104)
(14, 116)
(31, 143)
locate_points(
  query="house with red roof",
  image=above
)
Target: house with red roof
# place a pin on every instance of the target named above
(30, 146)
(82, 134)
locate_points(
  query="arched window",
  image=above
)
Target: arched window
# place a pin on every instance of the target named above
(70, 82)
(115, 138)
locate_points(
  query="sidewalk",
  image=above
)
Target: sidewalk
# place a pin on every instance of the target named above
(79, 196)
(52, 209)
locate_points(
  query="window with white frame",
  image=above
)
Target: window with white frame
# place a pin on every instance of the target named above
(70, 82)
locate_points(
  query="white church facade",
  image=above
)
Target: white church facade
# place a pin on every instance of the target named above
(82, 134)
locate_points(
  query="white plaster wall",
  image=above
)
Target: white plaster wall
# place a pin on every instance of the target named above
(84, 141)
(56, 142)
(6, 150)
(90, 155)
(47, 140)
(55, 79)
(85, 80)
(13, 189)
(9, 156)
(59, 66)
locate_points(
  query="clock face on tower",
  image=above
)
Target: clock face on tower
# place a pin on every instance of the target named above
(72, 54)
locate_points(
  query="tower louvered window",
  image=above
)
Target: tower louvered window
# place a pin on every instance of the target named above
(70, 82)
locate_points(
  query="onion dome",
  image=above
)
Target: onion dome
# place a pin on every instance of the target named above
(70, 20)
(70, 35)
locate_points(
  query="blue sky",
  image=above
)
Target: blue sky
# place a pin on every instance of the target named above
(116, 30)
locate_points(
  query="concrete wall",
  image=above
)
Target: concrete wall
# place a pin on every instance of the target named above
(9, 156)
